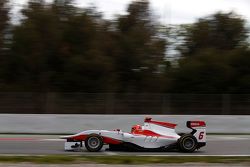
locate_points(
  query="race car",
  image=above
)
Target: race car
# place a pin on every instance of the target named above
(152, 136)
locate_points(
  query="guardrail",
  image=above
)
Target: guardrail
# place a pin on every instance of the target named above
(124, 103)
(51, 123)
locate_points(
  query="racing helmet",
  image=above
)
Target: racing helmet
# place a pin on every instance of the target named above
(136, 128)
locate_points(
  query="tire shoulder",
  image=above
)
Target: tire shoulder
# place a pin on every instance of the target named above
(180, 144)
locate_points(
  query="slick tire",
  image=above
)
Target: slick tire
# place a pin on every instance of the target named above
(187, 143)
(93, 143)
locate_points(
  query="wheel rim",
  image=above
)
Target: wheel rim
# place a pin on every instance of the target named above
(93, 142)
(188, 143)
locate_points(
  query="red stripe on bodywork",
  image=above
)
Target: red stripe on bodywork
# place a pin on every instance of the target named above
(78, 138)
(109, 140)
(150, 133)
(165, 124)
(106, 140)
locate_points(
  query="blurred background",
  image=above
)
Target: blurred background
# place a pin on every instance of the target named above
(78, 57)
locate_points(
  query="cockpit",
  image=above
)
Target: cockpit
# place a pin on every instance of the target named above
(137, 129)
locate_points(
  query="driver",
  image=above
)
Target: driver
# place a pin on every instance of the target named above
(136, 128)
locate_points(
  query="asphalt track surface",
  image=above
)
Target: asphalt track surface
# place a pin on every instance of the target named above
(220, 145)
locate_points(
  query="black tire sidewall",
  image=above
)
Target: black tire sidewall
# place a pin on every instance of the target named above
(97, 148)
(181, 143)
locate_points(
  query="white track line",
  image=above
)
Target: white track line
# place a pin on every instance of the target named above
(182, 155)
(110, 153)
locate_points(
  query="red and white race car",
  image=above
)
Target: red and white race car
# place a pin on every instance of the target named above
(152, 136)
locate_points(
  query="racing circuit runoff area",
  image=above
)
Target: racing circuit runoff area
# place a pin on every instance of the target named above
(12, 126)
(217, 145)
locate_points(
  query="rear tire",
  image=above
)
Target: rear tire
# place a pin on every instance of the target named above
(94, 143)
(187, 143)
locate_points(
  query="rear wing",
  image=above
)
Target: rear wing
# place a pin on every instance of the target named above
(198, 130)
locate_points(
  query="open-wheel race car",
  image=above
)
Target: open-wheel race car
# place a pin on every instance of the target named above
(152, 136)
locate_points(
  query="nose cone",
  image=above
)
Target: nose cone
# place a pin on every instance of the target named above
(76, 137)
(64, 137)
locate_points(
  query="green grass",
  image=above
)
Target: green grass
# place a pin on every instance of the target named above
(66, 159)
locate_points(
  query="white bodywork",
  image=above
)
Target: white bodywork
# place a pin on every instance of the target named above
(200, 134)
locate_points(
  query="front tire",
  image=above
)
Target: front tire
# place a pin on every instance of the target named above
(187, 143)
(94, 143)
